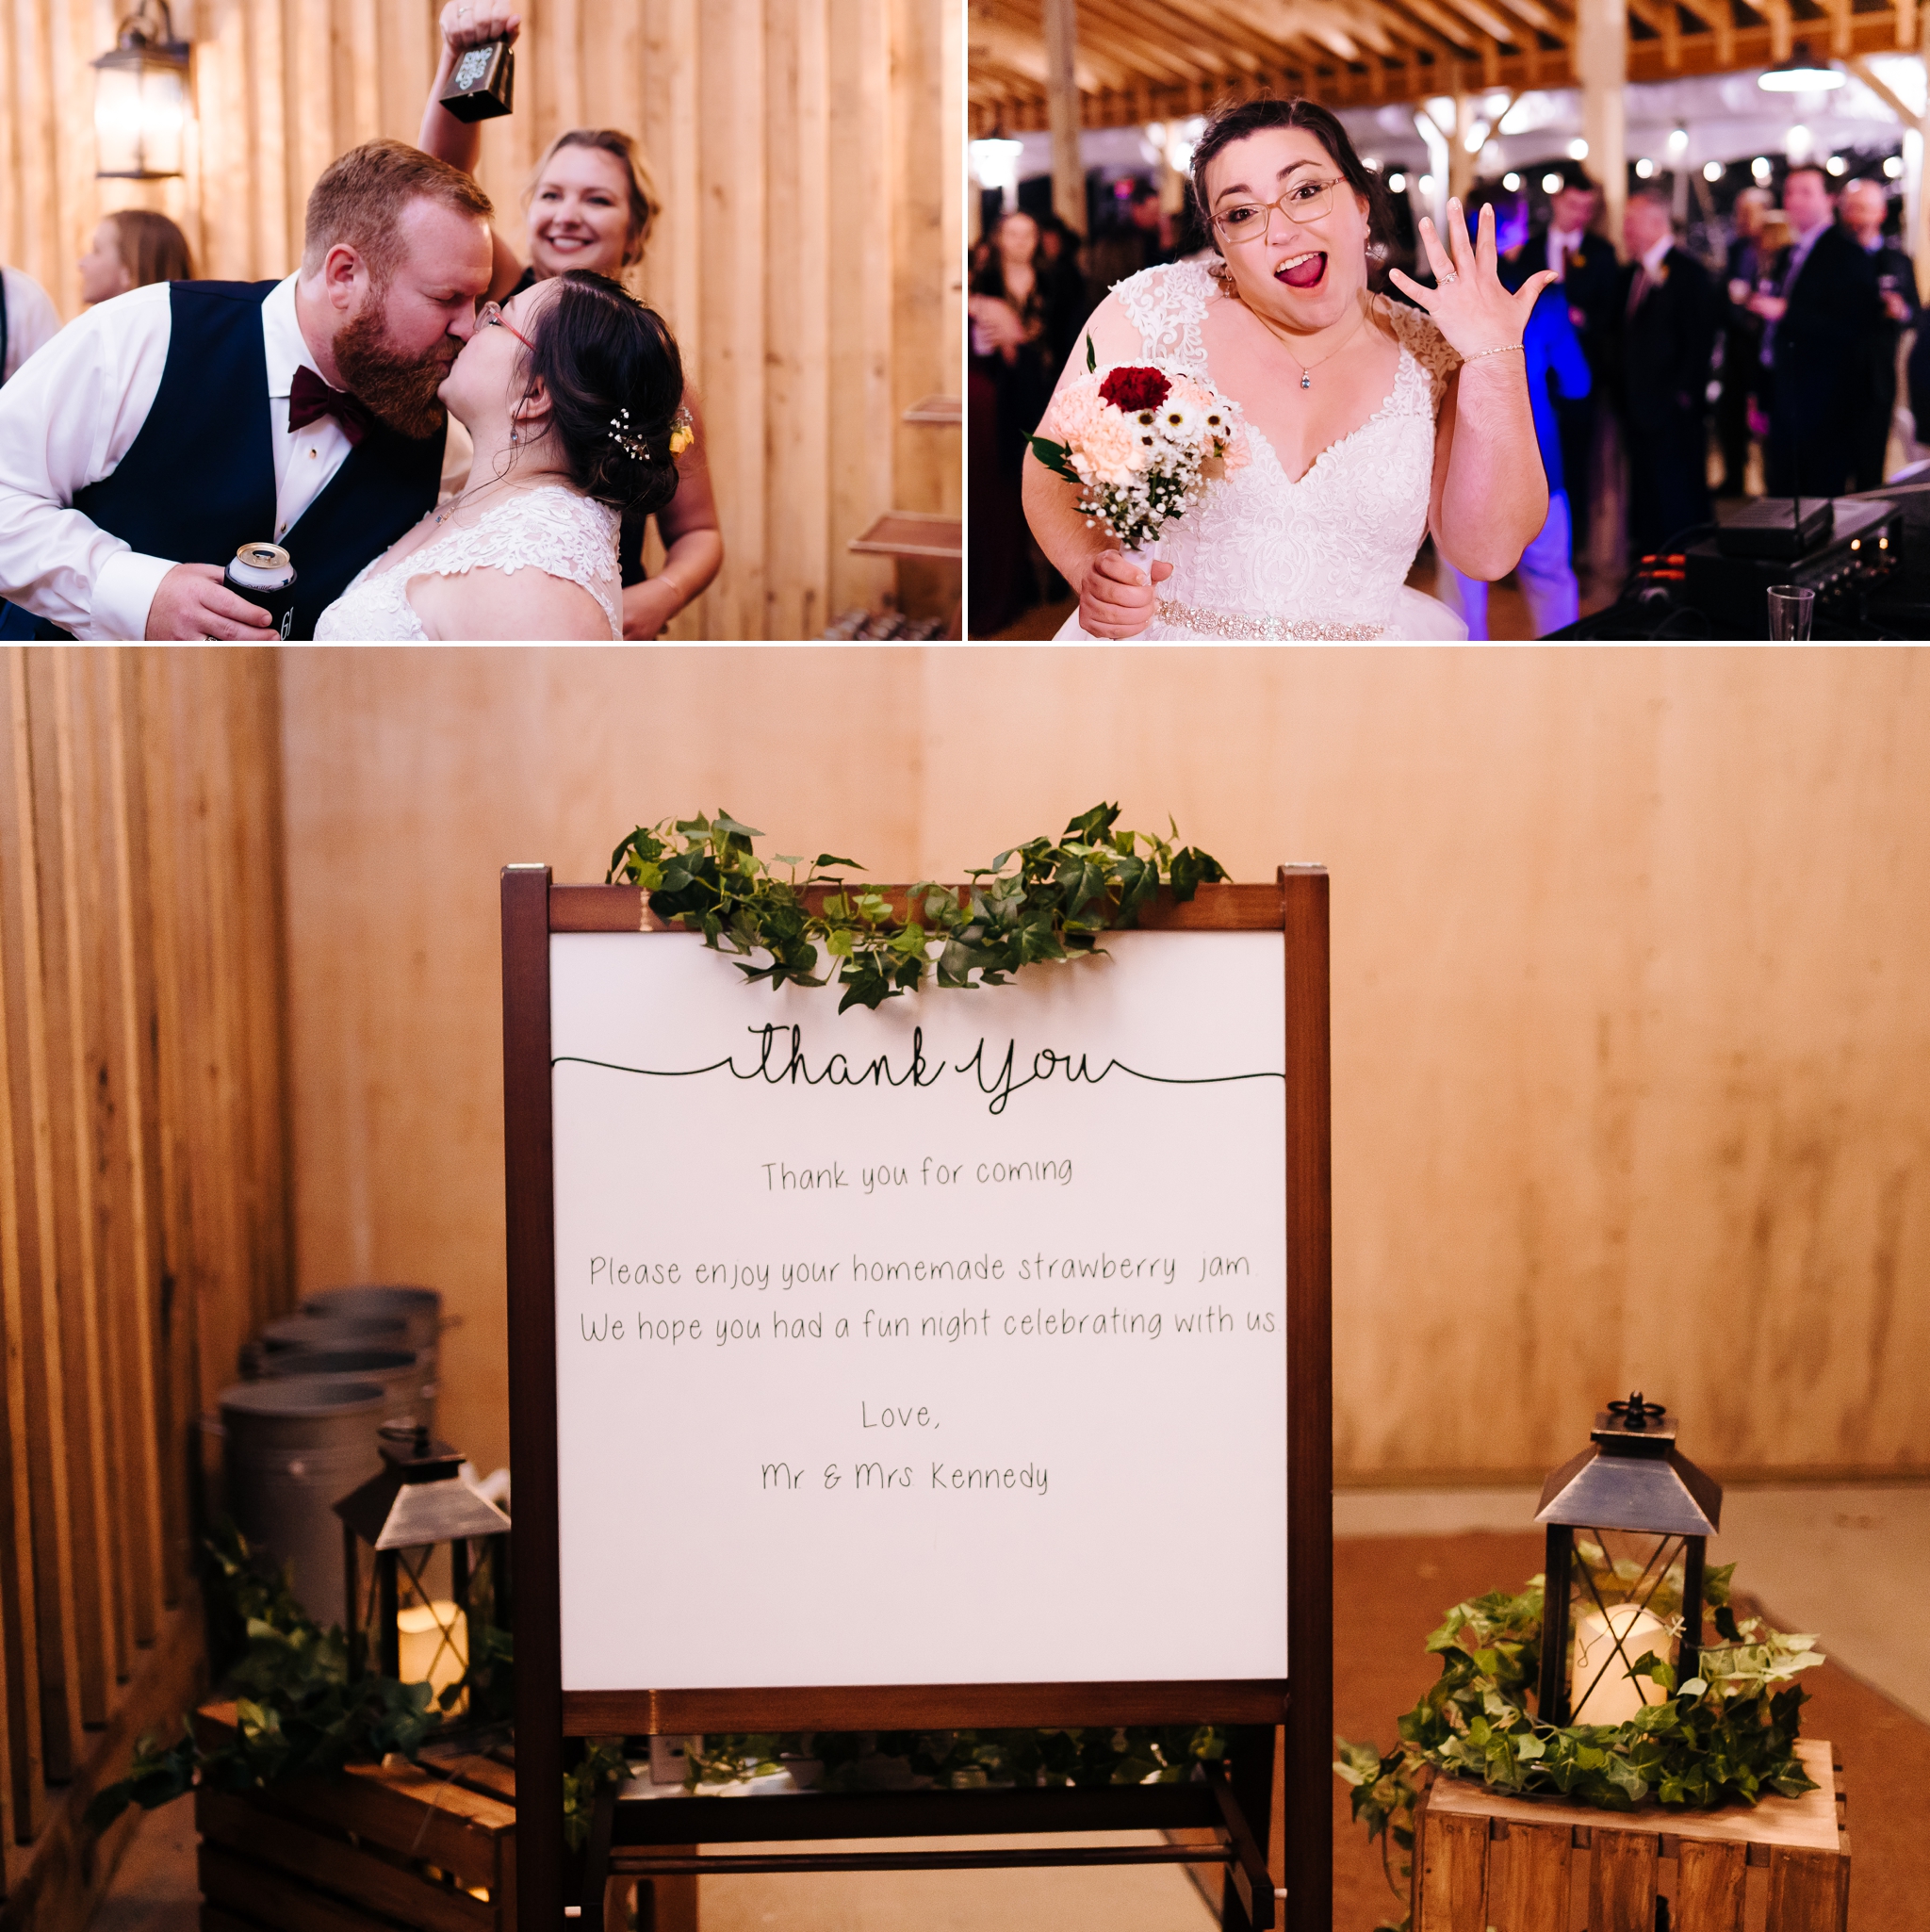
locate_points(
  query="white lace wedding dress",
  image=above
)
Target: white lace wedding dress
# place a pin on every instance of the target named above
(553, 529)
(1326, 556)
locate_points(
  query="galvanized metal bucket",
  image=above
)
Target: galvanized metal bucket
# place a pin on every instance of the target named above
(292, 1447)
(421, 1308)
(336, 1332)
(312, 1332)
(407, 1376)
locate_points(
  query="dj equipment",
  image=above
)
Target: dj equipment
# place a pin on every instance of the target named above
(1867, 558)
(1842, 557)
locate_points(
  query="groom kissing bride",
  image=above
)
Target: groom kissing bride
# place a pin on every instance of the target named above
(150, 439)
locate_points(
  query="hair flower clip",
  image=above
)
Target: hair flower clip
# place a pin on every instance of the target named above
(683, 433)
(627, 439)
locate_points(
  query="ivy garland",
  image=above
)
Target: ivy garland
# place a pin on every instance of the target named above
(967, 1759)
(1062, 895)
(1727, 1735)
(302, 1703)
(951, 1760)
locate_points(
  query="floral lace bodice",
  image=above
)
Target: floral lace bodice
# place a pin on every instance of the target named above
(553, 530)
(1333, 548)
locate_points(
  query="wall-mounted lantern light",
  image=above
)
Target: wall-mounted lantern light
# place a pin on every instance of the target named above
(140, 100)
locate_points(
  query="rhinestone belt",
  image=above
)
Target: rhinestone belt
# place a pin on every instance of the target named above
(1282, 630)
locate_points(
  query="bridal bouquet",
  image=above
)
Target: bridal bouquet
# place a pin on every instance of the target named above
(1142, 444)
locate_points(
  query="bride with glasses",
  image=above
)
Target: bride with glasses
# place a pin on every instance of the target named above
(1371, 423)
(573, 392)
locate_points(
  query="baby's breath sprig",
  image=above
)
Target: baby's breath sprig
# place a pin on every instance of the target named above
(627, 439)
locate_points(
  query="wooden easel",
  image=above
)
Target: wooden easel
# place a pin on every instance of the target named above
(628, 1838)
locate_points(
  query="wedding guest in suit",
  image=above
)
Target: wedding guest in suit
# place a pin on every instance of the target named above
(1570, 245)
(1816, 342)
(591, 204)
(1741, 338)
(28, 319)
(1668, 336)
(1865, 206)
(169, 425)
(1128, 237)
(131, 250)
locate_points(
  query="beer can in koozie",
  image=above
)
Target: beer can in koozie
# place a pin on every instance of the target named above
(263, 574)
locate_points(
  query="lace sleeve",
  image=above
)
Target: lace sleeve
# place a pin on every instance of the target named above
(551, 530)
(1418, 334)
(1166, 305)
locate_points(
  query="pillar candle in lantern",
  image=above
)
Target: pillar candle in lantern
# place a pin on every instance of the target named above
(424, 1654)
(1616, 1696)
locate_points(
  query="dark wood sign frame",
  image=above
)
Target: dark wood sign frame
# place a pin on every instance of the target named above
(1238, 1807)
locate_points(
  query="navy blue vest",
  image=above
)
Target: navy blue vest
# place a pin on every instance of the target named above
(200, 479)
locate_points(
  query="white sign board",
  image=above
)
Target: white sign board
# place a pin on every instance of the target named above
(940, 1345)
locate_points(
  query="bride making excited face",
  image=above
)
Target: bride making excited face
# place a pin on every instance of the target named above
(1369, 422)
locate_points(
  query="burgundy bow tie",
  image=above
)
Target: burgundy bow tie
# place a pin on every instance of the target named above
(310, 398)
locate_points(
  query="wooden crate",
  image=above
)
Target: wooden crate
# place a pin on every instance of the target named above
(430, 1847)
(1486, 1862)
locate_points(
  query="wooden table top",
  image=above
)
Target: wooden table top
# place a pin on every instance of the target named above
(1811, 1822)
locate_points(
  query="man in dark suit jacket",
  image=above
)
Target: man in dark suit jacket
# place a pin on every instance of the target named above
(1865, 208)
(1667, 338)
(1741, 334)
(1816, 345)
(1592, 282)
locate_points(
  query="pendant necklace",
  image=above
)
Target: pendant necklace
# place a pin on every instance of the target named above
(455, 504)
(1307, 369)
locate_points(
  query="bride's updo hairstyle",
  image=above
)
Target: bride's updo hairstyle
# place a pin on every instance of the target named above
(1227, 124)
(616, 383)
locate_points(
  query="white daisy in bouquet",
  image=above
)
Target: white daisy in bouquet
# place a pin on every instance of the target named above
(1142, 444)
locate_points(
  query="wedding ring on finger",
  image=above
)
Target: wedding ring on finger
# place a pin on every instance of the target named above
(1450, 274)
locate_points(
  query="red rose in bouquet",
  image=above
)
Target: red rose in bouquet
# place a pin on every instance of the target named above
(1132, 389)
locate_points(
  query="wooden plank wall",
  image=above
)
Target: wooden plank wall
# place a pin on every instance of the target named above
(808, 258)
(1631, 1035)
(144, 1228)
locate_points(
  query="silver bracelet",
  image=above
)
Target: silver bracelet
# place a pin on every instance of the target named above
(1506, 348)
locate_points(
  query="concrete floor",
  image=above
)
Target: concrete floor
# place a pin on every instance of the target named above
(1795, 1551)
(155, 1887)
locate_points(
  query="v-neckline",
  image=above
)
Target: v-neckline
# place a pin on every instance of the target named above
(1254, 431)
(1260, 436)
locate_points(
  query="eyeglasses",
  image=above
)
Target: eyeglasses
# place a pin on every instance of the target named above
(1305, 200)
(490, 315)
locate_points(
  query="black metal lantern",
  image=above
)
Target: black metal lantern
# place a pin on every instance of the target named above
(1629, 1524)
(140, 100)
(403, 1516)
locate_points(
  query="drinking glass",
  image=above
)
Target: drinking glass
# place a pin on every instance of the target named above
(1791, 611)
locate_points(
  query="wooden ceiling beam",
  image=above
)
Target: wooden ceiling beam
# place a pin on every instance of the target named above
(1427, 66)
(1660, 17)
(1152, 27)
(1450, 26)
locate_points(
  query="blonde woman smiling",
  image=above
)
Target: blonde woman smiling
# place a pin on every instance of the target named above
(590, 206)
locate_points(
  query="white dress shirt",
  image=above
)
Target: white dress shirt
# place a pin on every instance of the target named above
(1564, 242)
(31, 317)
(1648, 272)
(68, 419)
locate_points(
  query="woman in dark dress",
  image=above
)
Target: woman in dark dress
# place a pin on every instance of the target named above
(590, 206)
(1013, 368)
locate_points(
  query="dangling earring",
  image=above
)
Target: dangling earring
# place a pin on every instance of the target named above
(516, 435)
